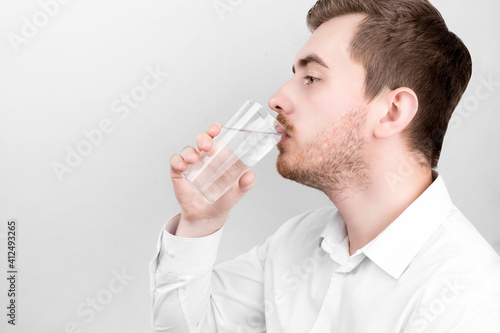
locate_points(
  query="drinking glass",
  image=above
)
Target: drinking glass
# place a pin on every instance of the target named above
(244, 140)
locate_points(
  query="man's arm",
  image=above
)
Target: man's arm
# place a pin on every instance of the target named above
(187, 293)
(190, 296)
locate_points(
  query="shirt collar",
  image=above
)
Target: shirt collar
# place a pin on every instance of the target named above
(333, 239)
(395, 247)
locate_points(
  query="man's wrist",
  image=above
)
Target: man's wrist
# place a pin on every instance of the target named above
(200, 228)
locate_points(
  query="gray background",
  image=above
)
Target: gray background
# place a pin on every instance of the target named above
(104, 217)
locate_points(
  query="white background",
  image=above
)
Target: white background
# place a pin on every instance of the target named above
(77, 232)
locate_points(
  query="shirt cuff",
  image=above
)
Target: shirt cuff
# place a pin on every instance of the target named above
(185, 256)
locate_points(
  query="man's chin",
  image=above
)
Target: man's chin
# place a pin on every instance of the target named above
(280, 164)
(285, 168)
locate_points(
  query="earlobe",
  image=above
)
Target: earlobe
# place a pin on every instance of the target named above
(399, 109)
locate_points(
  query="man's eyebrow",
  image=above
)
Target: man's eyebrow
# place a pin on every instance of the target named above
(312, 58)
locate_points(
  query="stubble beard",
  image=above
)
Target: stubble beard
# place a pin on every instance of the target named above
(334, 161)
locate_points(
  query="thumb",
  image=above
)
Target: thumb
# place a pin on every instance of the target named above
(238, 190)
(246, 182)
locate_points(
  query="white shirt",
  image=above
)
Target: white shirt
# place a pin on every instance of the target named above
(428, 271)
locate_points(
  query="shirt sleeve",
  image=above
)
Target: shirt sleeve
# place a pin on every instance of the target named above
(189, 294)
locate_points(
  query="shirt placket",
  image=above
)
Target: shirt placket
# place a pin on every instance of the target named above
(328, 319)
(327, 315)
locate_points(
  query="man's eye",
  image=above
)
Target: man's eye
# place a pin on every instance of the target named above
(310, 80)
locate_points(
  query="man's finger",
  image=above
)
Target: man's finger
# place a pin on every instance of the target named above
(204, 141)
(190, 155)
(177, 165)
(214, 129)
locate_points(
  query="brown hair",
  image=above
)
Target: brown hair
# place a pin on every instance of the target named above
(406, 43)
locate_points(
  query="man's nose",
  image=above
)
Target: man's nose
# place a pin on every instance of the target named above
(281, 101)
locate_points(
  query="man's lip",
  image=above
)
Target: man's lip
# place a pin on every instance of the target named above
(281, 130)
(284, 137)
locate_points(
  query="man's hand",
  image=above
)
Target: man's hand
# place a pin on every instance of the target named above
(199, 218)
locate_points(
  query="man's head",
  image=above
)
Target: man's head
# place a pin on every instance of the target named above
(373, 71)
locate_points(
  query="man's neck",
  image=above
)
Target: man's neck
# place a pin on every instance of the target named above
(367, 213)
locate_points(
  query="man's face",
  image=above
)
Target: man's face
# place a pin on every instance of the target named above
(322, 108)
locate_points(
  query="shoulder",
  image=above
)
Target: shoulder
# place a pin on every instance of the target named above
(459, 235)
(457, 251)
(456, 277)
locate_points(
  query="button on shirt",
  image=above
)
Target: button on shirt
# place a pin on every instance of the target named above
(428, 271)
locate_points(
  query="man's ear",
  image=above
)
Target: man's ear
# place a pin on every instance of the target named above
(401, 106)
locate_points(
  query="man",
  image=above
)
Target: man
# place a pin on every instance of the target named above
(373, 90)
